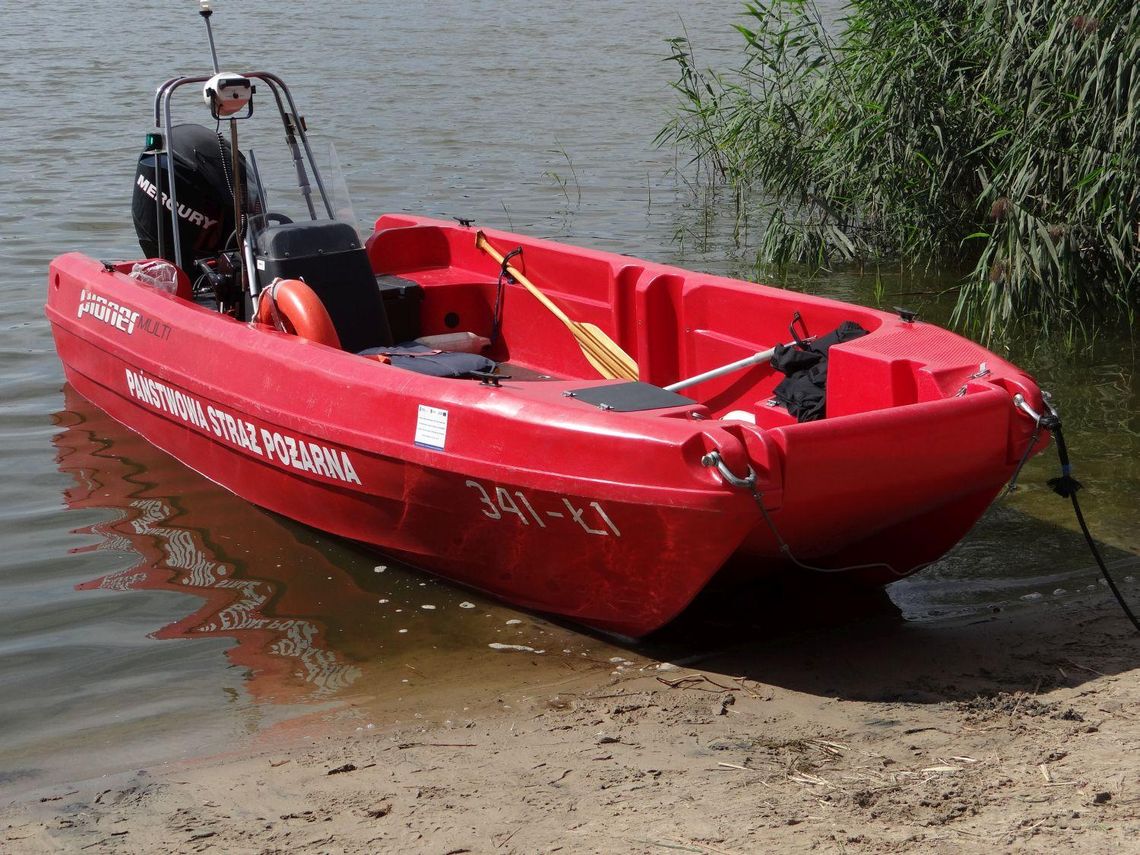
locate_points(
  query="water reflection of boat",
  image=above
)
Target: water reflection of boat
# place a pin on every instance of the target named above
(175, 522)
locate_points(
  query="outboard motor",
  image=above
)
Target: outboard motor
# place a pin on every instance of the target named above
(202, 175)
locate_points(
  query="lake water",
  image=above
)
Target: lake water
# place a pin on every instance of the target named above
(144, 613)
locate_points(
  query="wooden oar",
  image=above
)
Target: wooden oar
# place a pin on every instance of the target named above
(602, 352)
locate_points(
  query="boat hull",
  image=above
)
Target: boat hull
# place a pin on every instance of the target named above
(613, 520)
(615, 556)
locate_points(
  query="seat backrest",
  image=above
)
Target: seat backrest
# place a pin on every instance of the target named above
(328, 256)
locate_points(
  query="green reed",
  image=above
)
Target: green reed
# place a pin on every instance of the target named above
(1002, 134)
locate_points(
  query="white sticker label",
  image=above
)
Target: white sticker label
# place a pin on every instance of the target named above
(431, 428)
(261, 264)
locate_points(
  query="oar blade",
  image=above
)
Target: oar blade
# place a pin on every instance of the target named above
(603, 353)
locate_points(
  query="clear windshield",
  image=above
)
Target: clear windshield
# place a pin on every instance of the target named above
(292, 194)
(338, 190)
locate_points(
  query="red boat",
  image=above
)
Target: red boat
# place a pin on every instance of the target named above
(560, 469)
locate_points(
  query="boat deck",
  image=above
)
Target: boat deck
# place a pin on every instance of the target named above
(516, 371)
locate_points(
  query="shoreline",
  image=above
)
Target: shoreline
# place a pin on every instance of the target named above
(1018, 728)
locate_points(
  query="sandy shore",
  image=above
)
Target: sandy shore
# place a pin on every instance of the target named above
(1019, 730)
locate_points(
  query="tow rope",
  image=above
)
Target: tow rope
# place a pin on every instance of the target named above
(504, 278)
(1066, 486)
(748, 482)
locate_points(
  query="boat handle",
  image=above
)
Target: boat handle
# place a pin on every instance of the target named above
(713, 458)
(1020, 403)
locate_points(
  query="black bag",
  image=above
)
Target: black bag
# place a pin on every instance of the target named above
(804, 390)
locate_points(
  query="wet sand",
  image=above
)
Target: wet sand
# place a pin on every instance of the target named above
(1018, 729)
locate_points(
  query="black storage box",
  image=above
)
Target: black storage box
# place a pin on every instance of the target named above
(403, 299)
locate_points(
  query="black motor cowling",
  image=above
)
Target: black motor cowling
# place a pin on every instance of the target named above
(202, 176)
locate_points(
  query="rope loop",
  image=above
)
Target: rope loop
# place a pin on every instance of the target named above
(504, 278)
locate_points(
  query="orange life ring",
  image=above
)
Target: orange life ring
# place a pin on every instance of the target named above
(292, 306)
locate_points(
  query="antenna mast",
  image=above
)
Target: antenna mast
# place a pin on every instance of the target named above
(205, 10)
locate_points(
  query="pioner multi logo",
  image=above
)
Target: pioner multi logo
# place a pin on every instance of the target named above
(108, 311)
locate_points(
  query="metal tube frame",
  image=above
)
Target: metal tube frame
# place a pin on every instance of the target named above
(754, 359)
(162, 119)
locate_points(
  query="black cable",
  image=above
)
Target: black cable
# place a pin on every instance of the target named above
(504, 278)
(1024, 458)
(1100, 562)
(786, 550)
(1066, 486)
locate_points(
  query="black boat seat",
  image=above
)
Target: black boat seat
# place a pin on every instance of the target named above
(328, 256)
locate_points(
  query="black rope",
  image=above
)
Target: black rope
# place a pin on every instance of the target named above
(225, 163)
(1066, 486)
(504, 278)
(786, 550)
(235, 235)
(797, 320)
(1024, 458)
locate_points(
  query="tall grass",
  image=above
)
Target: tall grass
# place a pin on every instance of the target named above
(1002, 134)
